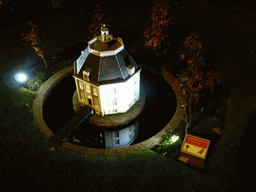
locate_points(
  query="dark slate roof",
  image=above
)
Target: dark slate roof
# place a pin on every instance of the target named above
(106, 46)
(82, 58)
(106, 69)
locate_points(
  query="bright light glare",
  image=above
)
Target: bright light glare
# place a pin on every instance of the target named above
(175, 138)
(21, 77)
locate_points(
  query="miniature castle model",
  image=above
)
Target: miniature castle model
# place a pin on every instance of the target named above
(106, 76)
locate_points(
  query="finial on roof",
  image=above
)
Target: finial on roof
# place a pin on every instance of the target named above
(104, 33)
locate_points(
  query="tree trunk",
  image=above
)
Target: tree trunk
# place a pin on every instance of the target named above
(44, 62)
(189, 122)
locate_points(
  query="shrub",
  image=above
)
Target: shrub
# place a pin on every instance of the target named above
(193, 83)
(35, 83)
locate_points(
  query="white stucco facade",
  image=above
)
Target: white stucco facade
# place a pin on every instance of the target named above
(106, 77)
(120, 97)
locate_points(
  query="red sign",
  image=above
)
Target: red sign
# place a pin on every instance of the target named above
(195, 145)
(197, 141)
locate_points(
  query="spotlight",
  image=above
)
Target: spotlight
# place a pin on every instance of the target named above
(175, 138)
(20, 77)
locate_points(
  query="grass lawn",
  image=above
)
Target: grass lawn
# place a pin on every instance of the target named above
(29, 163)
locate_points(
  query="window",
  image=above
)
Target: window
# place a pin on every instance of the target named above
(101, 141)
(130, 136)
(95, 91)
(130, 129)
(88, 88)
(114, 101)
(114, 110)
(96, 102)
(114, 90)
(89, 101)
(80, 85)
(82, 95)
(100, 134)
(116, 133)
(115, 142)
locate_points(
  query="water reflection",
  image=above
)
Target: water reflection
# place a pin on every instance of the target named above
(88, 135)
(160, 99)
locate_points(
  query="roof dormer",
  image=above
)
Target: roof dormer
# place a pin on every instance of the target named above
(87, 74)
(104, 33)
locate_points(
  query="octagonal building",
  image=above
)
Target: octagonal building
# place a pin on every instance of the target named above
(106, 76)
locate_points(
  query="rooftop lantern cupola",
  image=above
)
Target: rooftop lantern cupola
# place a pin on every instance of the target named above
(104, 33)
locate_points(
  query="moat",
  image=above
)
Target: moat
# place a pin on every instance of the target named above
(159, 107)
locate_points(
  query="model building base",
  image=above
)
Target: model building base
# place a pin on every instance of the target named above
(115, 119)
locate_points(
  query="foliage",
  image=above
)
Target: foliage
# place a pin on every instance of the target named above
(99, 19)
(193, 83)
(155, 37)
(35, 83)
(11, 4)
(33, 37)
(58, 3)
(168, 140)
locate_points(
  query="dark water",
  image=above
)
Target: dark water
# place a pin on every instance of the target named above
(58, 108)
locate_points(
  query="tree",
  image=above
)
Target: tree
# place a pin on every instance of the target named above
(155, 37)
(192, 83)
(99, 19)
(32, 36)
(58, 3)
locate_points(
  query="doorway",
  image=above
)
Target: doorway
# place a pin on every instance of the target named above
(89, 101)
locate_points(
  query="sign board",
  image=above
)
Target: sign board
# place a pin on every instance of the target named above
(194, 149)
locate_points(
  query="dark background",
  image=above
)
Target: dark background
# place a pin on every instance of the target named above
(16, 12)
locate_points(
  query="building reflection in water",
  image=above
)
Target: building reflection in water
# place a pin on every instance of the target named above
(88, 135)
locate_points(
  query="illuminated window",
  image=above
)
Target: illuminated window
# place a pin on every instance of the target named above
(100, 134)
(88, 88)
(114, 90)
(96, 102)
(95, 91)
(82, 95)
(80, 85)
(114, 101)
